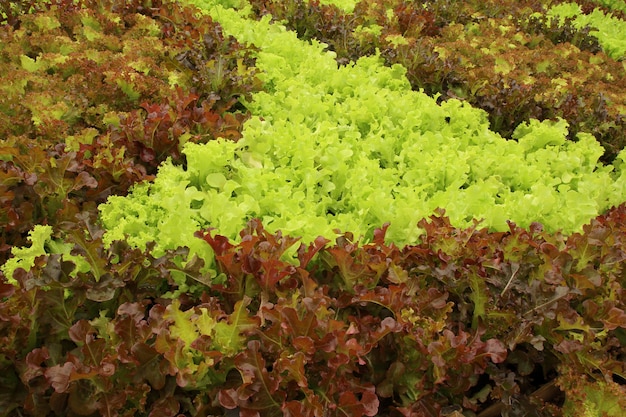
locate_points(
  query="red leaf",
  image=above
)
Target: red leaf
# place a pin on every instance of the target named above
(496, 350)
(370, 402)
(260, 388)
(34, 359)
(147, 154)
(347, 400)
(82, 332)
(616, 318)
(83, 179)
(352, 406)
(245, 412)
(294, 367)
(302, 409)
(152, 366)
(220, 244)
(134, 310)
(84, 402)
(165, 407)
(304, 344)
(6, 290)
(569, 346)
(306, 254)
(228, 398)
(59, 376)
(379, 234)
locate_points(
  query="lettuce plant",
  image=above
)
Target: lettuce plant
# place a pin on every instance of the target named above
(614, 5)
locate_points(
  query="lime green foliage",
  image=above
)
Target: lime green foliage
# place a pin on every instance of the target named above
(186, 327)
(42, 244)
(164, 211)
(610, 31)
(345, 5)
(228, 335)
(496, 55)
(209, 4)
(25, 257)
(351, 148)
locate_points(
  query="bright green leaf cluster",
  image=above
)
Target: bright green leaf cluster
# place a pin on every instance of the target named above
(42, 243)
(351, 148)
(610, 31)
(165, 211)
(25, 257)
(345, 5)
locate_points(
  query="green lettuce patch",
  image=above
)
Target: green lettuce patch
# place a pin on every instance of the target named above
(349, 148)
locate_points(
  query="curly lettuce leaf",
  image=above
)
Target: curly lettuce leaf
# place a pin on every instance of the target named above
(42, 244)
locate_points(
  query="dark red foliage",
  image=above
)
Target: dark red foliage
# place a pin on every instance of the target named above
(465, 320)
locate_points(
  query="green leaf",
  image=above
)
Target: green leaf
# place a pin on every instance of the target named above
(47, 23)
(184, 325)
(479, 298)
(91, 27)
(230, 336)
(128, 88)
(32, 65)
(25, 257)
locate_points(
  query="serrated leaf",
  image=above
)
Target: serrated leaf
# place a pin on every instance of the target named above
(229, 336)
(183, 327)
(59, 376)
(259, 391)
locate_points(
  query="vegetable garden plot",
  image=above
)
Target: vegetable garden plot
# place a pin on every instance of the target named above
(278, 253)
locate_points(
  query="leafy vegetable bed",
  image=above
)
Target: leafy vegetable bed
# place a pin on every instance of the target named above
(206, 212)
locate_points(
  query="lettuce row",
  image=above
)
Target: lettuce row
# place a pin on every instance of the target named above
(351, 148)
(243, 5)
(610, 31)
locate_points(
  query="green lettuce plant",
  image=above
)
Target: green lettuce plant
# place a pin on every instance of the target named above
(610, 31)
(498, 56)
(42, 244)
